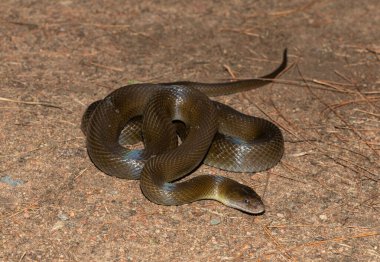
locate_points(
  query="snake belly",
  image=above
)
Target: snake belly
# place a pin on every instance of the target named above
(210, 132)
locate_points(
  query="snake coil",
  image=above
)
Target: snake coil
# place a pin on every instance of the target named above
(210, 132)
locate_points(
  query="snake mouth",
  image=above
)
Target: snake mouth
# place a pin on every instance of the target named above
(251, 205)
(252, 209)
(256, 212)
(240, 197)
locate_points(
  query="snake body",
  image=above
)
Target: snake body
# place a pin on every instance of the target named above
(210, 132)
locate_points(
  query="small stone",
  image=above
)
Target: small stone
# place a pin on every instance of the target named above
(10, 181)
(62, 216)
(114, 192)
(58, 225)
(215, 221)
(66, 3)
(323, 217)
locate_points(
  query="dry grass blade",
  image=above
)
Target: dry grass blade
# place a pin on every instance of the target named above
(30, 102)
(356, 101)
(338, 115)
(245, 32)
(371, 175)
(277, 243)
(276, 122)
(229, 70)
(326, 83)
(315, 225)
(22, 256)
(117, 69)
(336, 239)
(295, 10)
(366, 112)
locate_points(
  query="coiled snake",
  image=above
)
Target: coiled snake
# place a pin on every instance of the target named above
(210, 132)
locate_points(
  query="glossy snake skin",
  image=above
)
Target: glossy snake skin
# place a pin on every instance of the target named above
(210, 133)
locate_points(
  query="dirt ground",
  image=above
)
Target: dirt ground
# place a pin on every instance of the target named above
(322, 201)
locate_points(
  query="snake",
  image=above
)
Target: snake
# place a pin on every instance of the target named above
(181, 128)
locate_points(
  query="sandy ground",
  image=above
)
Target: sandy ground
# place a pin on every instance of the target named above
(322, 200)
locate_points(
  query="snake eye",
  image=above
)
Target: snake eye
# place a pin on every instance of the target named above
(247, 201)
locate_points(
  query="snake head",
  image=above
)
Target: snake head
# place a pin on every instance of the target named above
(243, 198)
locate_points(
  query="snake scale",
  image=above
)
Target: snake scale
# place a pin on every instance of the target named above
(182, 128)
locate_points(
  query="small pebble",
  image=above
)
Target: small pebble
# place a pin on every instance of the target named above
(114, 192)
(323, 217)
(215, 221)
(62, 216)
(58, 225)
(10, 181)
